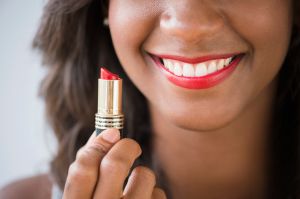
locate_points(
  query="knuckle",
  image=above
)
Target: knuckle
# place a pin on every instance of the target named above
(90, 153)
(77, 174)
(145, 173)
(80, 153)
(115, 164)
(158, 193)
(96, 149)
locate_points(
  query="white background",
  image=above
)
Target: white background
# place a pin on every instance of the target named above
(26, 143)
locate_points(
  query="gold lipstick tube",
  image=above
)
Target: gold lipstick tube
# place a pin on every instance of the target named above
(109, 113)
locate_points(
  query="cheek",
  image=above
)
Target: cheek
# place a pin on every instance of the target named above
(130, 23)
(267, 30)
(267, 33)
(130, 27)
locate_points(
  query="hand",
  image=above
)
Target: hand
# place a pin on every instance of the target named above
(101, 167)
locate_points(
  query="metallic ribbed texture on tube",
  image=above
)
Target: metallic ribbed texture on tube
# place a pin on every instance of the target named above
(109, 113)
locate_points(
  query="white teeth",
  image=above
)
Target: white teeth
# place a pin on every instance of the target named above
(171, 66)
(166, 63)
(177, 69)
(188, 70)
(191, 70)
(227, 61)
(201, 70)
(212, 67)
(221, 64)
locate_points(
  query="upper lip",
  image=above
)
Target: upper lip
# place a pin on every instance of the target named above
(195, 60)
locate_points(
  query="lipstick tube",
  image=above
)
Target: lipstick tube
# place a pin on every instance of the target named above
(109, 114)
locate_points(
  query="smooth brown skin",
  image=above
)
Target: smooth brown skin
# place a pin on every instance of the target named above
(211, 143)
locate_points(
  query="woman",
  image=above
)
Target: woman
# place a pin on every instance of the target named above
(233, 136)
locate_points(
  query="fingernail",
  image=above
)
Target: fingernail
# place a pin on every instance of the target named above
(111, 135)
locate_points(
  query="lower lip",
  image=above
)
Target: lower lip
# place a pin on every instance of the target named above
(200, 82)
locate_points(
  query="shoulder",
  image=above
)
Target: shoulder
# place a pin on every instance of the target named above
(35, 187)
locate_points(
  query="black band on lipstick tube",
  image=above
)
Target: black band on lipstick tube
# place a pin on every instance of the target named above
(98, 131)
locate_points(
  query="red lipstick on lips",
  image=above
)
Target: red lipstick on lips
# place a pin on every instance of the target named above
(203, 82)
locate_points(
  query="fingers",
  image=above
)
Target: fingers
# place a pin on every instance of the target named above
(158, 194)
(115, 167)
(101, 167)
(83, 172)
(140, 184)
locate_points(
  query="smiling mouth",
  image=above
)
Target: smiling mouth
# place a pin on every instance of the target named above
(201, 69)
(197, 73)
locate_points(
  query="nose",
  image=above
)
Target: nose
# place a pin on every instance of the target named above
(190, 22)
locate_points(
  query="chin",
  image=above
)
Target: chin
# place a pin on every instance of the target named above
(201, 125)
(202, 121)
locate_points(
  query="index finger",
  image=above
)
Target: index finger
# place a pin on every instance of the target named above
(83, 172)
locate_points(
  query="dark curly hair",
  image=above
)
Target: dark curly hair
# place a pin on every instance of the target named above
(74, 42)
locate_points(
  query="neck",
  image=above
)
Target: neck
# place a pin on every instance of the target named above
(229, 162)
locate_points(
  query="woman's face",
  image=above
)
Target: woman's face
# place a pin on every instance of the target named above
(195, 88)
